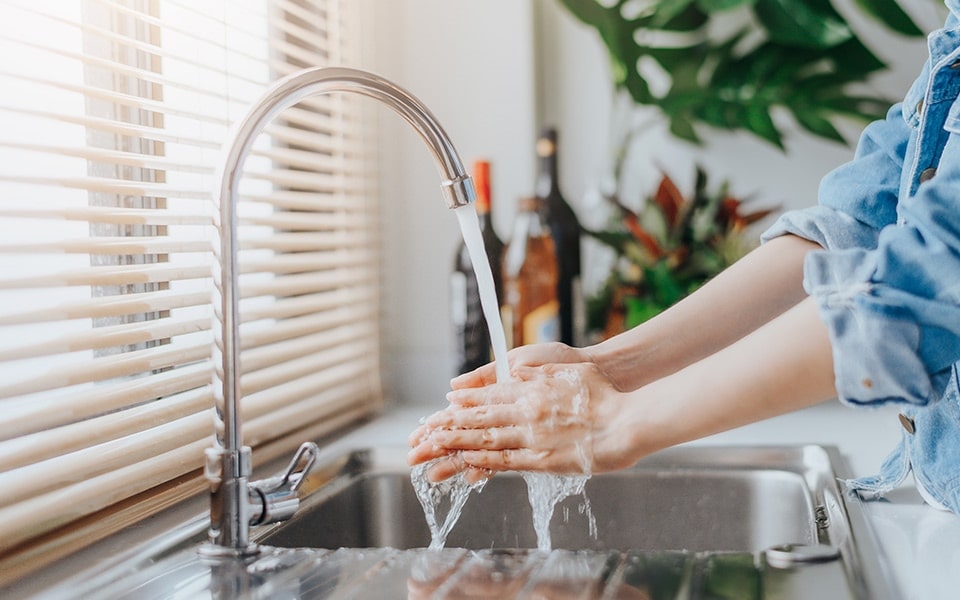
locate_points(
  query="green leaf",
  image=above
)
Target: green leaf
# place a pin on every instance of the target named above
(758, 120)
(639, 310)
(891, 15)
(661, 283)
(617, 240)
(807, 63)
(817, 125)
(668, 10)
(795, 23)
(682, 128)
(711, 6)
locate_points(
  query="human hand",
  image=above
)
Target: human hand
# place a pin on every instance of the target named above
(533, 355)
(560, 418)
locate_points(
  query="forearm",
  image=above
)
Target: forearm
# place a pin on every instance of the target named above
(754, 290)
(783, 366)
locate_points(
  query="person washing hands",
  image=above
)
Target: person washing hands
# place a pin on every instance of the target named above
(857, 297)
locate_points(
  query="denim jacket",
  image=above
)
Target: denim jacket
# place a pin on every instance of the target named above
(888, 282)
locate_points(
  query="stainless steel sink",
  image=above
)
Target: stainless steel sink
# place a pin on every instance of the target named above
(717, 523)
(690, 499)
(776, 516)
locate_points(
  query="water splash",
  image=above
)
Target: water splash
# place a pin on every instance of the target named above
(442, 501)
(545, 491)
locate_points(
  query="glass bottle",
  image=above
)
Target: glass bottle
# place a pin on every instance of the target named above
(472, 337)
(565, 229)
(530, 308)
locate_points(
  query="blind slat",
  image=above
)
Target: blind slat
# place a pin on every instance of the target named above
(108, 214)
(62, 409)
(111, 306)
(115, 127)
(108, 275)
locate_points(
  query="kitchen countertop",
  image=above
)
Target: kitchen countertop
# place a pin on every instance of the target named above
(921, 545)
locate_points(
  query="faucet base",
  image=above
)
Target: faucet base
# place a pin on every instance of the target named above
(215, 552)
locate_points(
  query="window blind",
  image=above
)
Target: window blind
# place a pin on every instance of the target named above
(111, 122)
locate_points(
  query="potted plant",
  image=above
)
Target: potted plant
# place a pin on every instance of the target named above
(727, 64)
(667, 250)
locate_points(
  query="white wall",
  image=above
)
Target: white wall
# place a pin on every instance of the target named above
(495, 71)
(471, 63)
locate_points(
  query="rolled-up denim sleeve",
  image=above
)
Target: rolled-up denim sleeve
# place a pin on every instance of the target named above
(893, 312)
(889, 293)
(859, 198)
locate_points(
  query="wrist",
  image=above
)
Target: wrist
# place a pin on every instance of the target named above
(629, 432)
(628, 360)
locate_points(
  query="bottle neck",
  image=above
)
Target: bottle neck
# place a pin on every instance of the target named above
(483, 217)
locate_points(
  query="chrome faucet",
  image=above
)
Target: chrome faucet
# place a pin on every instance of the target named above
(235, 502)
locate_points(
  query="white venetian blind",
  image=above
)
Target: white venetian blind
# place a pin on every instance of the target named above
(112, 116)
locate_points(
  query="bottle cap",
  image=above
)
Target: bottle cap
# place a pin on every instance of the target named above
(547, 142)
(481, 183)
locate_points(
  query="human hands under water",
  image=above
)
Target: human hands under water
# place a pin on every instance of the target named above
(533, 355)
(560, 418)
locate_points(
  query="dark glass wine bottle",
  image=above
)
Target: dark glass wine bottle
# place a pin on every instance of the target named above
(472, 337)
(565, 229)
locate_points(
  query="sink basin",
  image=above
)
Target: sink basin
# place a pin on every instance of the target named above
(773, 516)
(695, 500)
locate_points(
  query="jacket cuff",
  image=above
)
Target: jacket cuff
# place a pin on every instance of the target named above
(832, 229)
(875, 352)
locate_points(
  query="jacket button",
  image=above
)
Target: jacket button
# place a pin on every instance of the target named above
(908, 424)
(927, 174)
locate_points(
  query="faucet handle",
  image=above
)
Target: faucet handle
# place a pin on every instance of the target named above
(276, 498)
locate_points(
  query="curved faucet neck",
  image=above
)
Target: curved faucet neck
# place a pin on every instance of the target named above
(228, 462)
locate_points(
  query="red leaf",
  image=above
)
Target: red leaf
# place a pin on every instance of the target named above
(642, 235)
(669, 199)
(756, 216)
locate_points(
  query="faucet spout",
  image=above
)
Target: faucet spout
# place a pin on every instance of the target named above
(228, 465)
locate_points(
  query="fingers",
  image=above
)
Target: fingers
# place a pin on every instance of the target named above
(477, 378)
(477, 417)
(488, 439)
(442, 442)
(524, 356)
(452, 464)
(515, 459)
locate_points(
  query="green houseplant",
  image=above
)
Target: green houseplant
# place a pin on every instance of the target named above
(672, 246)
(731, 65)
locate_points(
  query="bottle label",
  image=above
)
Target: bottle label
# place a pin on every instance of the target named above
(542, 324)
